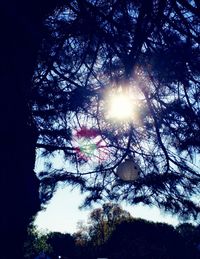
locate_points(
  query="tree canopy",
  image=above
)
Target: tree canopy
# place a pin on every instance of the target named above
(144, 239)
(62, 244)
(146, 49)
(35, 243)
(102, 222)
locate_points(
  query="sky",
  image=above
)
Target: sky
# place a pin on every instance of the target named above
(62, 213)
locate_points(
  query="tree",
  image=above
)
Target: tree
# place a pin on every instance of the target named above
(150, 48)
(91, 238)
(21, 34)
(81, 235)
(144, 239)
(35, 243)
(191, 235)
(102, 222)
(62, 244)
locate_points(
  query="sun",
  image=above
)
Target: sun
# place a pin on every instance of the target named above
(120, 106)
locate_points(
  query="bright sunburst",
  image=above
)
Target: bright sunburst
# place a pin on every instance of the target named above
(120, 106)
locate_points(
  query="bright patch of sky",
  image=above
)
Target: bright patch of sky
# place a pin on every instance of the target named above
(62, 213)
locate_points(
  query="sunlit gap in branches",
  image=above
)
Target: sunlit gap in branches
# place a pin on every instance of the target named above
(118, 105)
(123, 105)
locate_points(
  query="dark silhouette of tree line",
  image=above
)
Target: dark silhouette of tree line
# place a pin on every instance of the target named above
(113, 233)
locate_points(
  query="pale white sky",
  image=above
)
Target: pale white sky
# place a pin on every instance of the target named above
(63, 213)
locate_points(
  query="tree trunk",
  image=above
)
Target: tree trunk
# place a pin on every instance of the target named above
(21, 30)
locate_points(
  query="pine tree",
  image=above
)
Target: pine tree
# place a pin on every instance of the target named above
(150, 48)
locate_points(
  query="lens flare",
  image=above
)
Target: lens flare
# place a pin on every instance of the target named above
(89, 145)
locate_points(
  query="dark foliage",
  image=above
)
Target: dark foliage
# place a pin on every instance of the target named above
(62, 245)
(142, 239)
(191, 235)
(123, 237)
